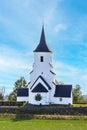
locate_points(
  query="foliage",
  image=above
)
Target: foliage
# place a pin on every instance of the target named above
(12, 96)
(38, 97)
(80, 105)
(1, 96)
(20, 83)
(77, 95)
(11, 103)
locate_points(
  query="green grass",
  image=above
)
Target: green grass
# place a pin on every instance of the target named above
(79, 105)
(14, 124)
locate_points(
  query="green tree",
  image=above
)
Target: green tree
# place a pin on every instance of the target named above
(38, 97)
(1, 96)
(20, 83)
(77, 95)
(12, 96)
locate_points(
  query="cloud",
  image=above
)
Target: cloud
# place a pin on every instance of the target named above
(84, 77)
(64, 69)
(13, 59)
(60, 27)
(13, 65)
(71, 75)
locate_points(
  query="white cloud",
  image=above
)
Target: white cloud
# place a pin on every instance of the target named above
(13, 59)
(59, 27)
(13, 65)
(84, 77)
(71, 75)
(64, 69)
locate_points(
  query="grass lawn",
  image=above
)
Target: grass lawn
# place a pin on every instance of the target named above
(79, 105)
(12, 124)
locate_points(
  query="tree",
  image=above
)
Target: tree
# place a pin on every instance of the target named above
(77, 95)
(20, 83)
(1, 96)
(38, 97)
(12, 96)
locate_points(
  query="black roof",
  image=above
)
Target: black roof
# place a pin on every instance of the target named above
(43, 81)
(39, 88)
(63, 91)
(22, 92)
(42, 46)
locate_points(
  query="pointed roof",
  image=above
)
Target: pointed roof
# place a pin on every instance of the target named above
(43, 81)
(42, 46)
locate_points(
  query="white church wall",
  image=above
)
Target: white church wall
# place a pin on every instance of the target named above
(52, 92)
(62, 100)
(46, 97)
(26, 99)
(43, 101)
(42, 68)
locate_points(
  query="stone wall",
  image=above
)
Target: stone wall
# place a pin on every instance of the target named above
(51, 109)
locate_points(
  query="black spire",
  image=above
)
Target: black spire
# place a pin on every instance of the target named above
(42, 46)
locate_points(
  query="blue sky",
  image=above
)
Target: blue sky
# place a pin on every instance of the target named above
(66, 34)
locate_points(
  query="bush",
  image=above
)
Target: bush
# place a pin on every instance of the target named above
(11, 103)
(38, 97)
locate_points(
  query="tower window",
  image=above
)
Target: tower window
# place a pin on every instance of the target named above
(41, 59)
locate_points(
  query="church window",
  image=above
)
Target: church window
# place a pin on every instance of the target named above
(60, 99)
(41, 59)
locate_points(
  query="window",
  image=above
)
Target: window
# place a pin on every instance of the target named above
(41, 59)
(60, 99)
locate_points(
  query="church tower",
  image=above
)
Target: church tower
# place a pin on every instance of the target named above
(42, 72)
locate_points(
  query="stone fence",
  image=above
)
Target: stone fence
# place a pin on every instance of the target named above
(50, 109)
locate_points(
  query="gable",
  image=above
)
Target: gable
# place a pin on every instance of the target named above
(41, 79)
(39, 88)
(63, 91)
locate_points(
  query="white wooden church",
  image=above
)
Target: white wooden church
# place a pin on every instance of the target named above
(43, 81)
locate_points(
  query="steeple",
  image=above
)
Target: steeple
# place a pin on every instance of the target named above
(42, 46)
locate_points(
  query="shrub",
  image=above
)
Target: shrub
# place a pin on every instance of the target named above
(38, 97)
(11, 103)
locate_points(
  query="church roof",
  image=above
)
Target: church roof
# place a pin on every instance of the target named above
(39, 88)
(63, 91)
(42, 46)
(22, 92)
(43, 81)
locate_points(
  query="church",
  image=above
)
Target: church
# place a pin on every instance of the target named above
(43, 87)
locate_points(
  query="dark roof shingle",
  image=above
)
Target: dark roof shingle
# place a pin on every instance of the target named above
(39, 88)
(22, 92)
(42, 46)
(63, 91)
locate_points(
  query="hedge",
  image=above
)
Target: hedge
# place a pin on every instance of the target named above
(11, 103)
